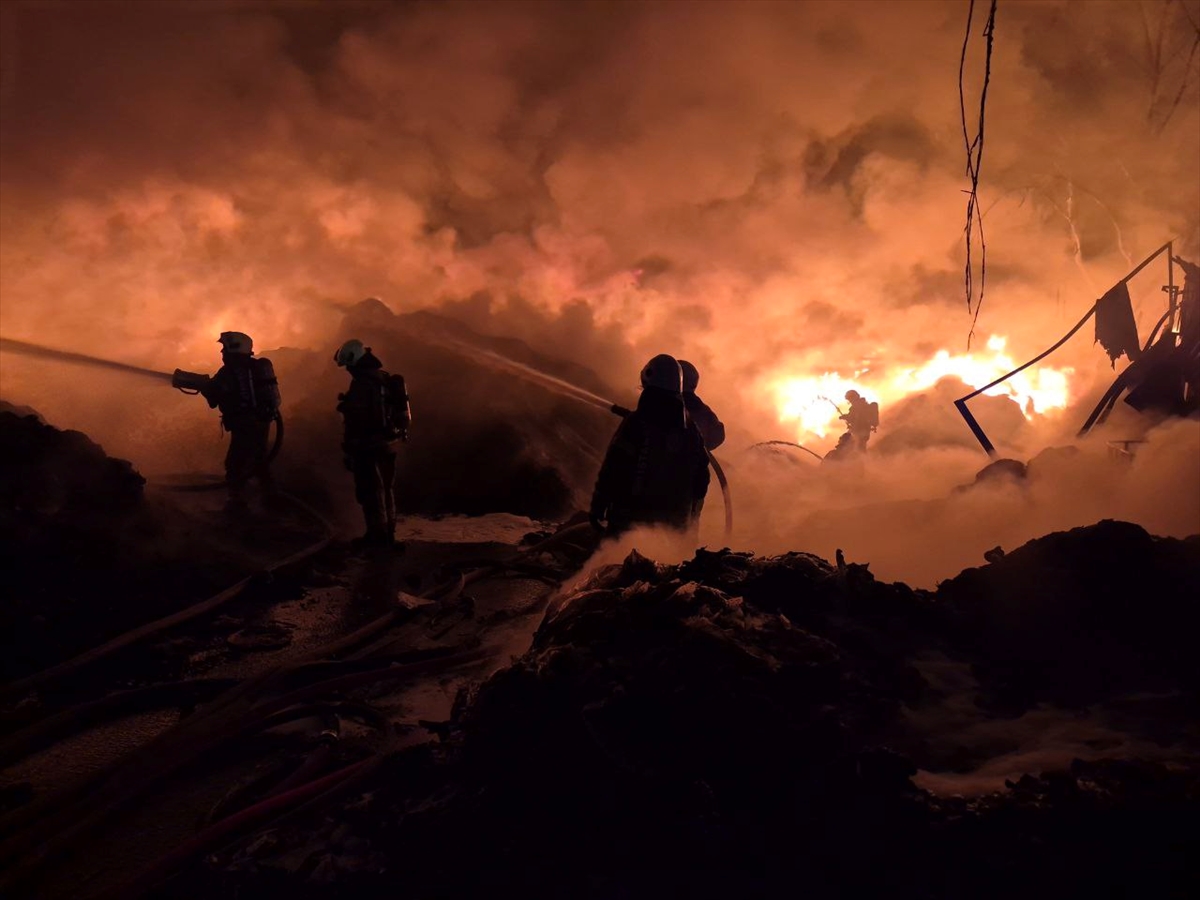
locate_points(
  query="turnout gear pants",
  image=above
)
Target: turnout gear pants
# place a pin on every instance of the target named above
(374, 488)
(247, 457)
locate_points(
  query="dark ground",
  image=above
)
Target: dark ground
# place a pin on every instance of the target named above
(733, 725)
(724, 725)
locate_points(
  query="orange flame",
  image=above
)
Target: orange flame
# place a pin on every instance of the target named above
(812, 402)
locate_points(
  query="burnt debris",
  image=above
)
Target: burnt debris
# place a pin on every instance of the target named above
(731, 724)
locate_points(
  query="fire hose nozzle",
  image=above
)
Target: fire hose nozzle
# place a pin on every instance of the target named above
(189, 382)
(620, 410)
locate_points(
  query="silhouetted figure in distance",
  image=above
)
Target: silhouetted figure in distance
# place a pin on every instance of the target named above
(862, 418)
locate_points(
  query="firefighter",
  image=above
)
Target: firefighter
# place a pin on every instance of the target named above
(862, 418)
(376, 414)
(712, 428)
(246, 392)
(656, 467)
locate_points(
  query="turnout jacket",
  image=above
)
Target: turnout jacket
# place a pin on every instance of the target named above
(656, 467)
(375, 408)
(711, 428)
(245, 390)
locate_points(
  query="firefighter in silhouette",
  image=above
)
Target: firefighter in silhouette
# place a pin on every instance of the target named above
(862, 418)
(246, 392)
(711, 428)
(656, 467)
(375, 414)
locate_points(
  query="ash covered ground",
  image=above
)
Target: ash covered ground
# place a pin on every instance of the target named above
(728, 722)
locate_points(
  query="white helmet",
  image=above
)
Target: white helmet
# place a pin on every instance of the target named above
(691, 377)
(663, 372)
(236, 342)
(350, 353)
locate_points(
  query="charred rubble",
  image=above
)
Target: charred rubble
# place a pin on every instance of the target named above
(729, 725)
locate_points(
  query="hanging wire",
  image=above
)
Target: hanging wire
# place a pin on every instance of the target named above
(974, 148)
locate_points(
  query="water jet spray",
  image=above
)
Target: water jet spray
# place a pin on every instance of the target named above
(575, 392)
(24, 348)
(187, 382)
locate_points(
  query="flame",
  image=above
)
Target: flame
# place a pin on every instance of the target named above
(813, 402)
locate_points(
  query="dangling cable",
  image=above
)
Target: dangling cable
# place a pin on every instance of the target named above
(974, 147)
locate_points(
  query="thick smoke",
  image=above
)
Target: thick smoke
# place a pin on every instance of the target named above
(767, 189)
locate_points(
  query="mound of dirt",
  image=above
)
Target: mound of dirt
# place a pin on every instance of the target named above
(86, 555)
(1074, 616)
(53, 473)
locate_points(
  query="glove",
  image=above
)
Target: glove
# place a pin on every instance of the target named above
(596, 517)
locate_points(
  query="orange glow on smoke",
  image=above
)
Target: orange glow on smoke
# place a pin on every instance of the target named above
(812, 402)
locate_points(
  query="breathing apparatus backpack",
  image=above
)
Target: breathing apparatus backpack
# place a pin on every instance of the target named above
(873, 415)
(376, 408)
(395, 408)
(252, 390)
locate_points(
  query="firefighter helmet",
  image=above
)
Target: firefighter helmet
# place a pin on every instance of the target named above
(663, 372)
(691, 377)
(236, 342)
(350, 353)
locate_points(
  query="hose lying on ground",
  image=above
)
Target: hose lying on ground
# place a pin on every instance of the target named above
(44, 829)
(52, 729)
(211, 836)
(129, 638)
(196, 738)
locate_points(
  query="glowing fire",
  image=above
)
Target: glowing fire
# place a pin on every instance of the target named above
(813, 402)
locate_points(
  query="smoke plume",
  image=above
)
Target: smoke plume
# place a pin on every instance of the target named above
(770, 190)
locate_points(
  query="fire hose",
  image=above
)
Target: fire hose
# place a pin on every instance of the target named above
(788, 444)
(187, 382)
(75, 664)
(41, 830)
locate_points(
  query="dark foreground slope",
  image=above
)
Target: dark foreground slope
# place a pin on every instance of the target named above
(725, 728)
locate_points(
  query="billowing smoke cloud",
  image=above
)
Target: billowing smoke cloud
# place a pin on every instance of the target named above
(767, 189)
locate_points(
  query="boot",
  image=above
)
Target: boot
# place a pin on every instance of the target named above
(376, 535)
(390, 536)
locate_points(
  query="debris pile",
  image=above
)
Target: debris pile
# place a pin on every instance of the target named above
(733, 712)
(85, 552)
(63, 504)
(50, 473)
(1075, 616)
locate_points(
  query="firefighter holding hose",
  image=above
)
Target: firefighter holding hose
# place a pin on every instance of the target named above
(862, 419)
(376, 413)
(246, 392)
(656, 467)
